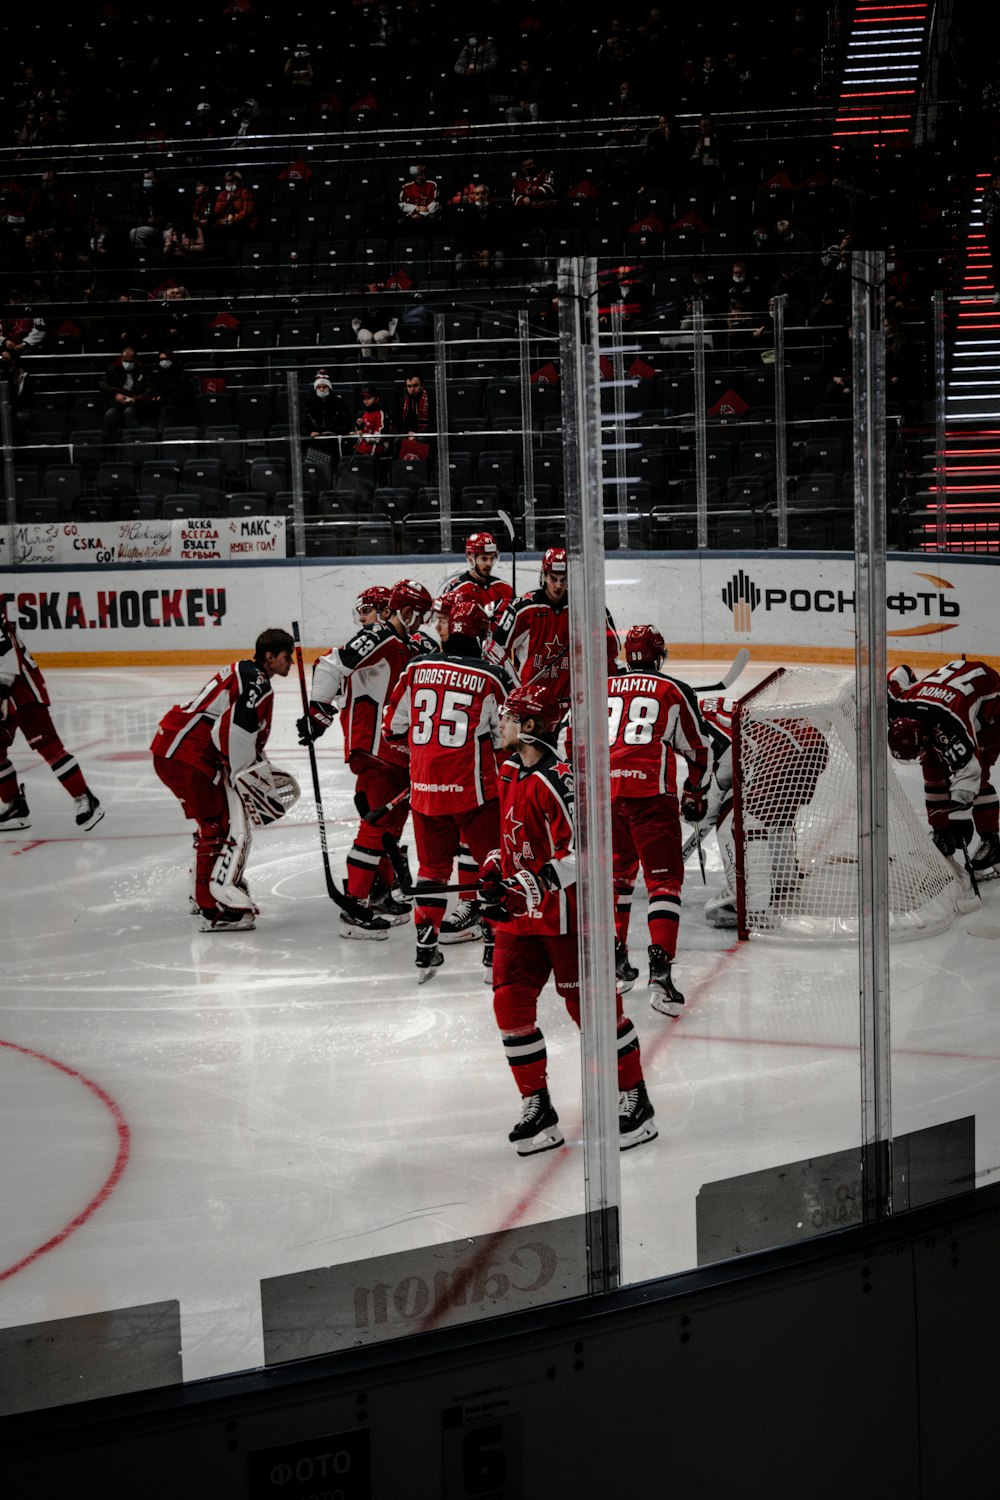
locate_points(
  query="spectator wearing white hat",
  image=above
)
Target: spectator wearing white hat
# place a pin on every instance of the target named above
(326, 418)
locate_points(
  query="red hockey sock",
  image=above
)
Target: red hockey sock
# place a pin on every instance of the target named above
(629, 1060)
(528, 1060)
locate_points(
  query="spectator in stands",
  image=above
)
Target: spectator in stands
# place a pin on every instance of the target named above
(372, 426)
(741, 287)
(299, 73)
(178, 323)
(481, 230)
(52, 212)
(151, 212)
(325, 418)
(375, 325)
(419, 203)
(903, 293)
(202, 205)
(128, 391)
(474, 69)
(532, 186)
(234, 216)
(171, 395)
(18, 383)
(183, 241)
(417, 418)
(705, 160)
(661, 160)
(523, 91)
(22, 333)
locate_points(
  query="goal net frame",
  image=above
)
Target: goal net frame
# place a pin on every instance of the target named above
(795, 824)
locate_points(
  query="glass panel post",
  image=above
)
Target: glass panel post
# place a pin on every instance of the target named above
(581, 413)
(619, 447)
(868, 277)
(444, 430)
(7, 438)
(295, 450)
(700, 424)
(940, 426)
(527, 468)
(781, 424)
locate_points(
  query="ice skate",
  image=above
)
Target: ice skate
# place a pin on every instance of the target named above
(429, 955)
(367, 926)
(986, 860)
(538, 1127)
(626, 974)
(89, 811)
(463, 924)
(15, 815)
(664, 997)
(226, 919)
(384, 904)
(635, 1118)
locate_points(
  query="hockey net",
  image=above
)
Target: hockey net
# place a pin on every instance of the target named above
(795, 820)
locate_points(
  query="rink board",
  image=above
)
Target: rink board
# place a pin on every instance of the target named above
(798, 607)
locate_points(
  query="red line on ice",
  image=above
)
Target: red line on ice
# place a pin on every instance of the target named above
(114, 1177)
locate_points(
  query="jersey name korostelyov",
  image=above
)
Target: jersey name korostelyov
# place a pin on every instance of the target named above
(448, 708)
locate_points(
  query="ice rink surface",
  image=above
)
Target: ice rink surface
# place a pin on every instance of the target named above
(182, 1115)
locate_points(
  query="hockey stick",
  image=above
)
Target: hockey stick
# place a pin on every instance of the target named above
(739, 662)
(407, 884)
(508, 522)
(346, 903)
(376, 814)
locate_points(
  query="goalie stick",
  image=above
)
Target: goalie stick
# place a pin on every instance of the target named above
(410, 887)
(739, 662)
(353, 908)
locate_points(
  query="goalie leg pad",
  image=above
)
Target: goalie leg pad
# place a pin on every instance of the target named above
(226, 882)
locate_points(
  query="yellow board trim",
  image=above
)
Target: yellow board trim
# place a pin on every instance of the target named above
(680, 650)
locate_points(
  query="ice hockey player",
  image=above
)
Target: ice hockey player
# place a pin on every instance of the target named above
(361, 675)
(446, 709)
(481, 554)
(717, 712)
(210, 753)
(950, 721)
(24, 706)
(653, 718)
(533, 631)
(528, 890)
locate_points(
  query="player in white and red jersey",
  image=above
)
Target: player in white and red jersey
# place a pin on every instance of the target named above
(446, 709)
(950, 720)
(533, 631)
(528, 889)
(210, 753)
(361, 676)
(24, 706)
(653, 719)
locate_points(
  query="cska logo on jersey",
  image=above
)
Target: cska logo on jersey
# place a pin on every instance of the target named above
(519, 849)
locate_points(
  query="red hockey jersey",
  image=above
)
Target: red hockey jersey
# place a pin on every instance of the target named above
(362, 675)
(19, 672)
(536, 830)
(651, 718)
(447, 707)
(959, 706)
(533, 634)
(224, 727)
(494, 595)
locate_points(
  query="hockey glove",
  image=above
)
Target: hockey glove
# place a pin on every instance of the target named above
(517, 896)
(694, 805)
(957, 834)
(316, 722)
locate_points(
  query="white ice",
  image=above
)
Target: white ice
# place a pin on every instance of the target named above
(294, 1100)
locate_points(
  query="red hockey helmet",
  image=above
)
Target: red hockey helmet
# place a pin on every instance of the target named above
(554, 561)
(905, 738)
(644, 645)
(468, 617)
(535, 701)
(407, 594)
(481, 541)
(442, 604)
(373, 597)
